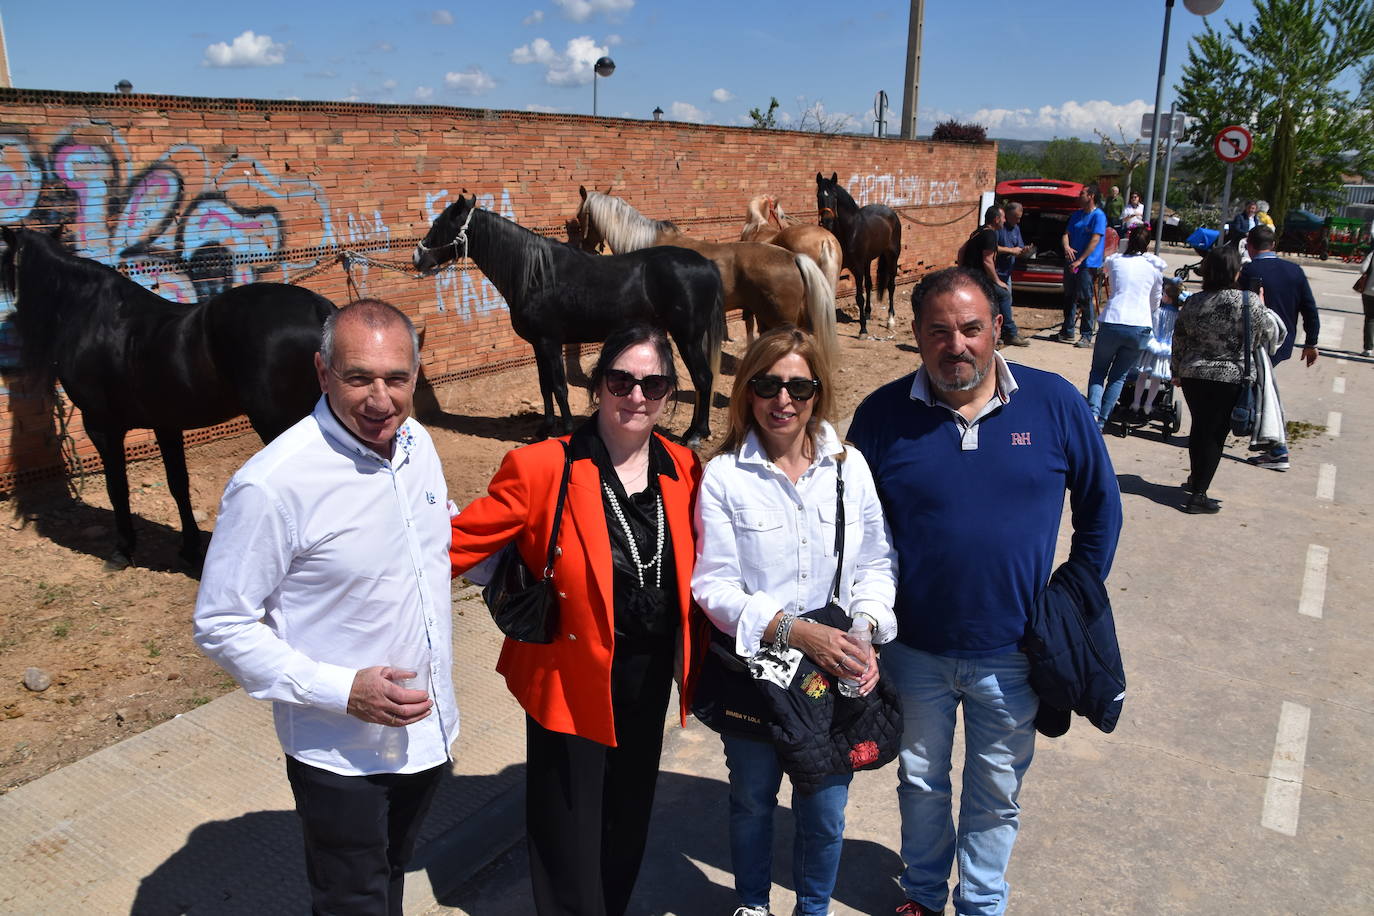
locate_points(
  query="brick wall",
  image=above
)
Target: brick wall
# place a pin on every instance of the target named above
(188, 195)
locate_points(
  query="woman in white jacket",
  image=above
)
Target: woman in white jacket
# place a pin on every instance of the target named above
(765, 522)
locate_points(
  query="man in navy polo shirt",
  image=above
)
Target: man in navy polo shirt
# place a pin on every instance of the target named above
(1083, 244)
(964, 443)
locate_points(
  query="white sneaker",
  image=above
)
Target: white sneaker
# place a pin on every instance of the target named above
(1367, 352)
(751, 911)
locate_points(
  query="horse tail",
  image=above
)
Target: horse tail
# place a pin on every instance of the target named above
(713, 337)
(820, 307)
(830, 261)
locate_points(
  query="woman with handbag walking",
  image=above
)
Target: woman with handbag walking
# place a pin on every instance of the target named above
(596, 692)
(1211, 359)
(1365, 287)
(768, 550)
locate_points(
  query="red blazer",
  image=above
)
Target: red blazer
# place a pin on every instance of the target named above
(566, 685)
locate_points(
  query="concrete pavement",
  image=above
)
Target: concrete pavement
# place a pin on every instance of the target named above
(1238, 780)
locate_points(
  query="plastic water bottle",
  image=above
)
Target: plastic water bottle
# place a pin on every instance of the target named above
(860, 633)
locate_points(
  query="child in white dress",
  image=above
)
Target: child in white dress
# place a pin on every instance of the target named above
(1153, 369)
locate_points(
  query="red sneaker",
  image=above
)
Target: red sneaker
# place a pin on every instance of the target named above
(912, 908)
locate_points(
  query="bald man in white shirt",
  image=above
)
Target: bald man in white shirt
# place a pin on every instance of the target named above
(326, 591)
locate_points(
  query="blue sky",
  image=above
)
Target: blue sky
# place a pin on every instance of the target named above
(1057, 68)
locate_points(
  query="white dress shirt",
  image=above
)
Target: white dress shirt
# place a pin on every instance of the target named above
(765, 544)
(326, 559)
(1137, 281)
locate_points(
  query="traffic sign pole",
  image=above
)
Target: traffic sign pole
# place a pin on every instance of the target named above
(1226, 197)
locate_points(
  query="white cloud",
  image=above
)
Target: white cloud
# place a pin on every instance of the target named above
(424, 93)
(472, 81)
(722, 95)
(385, 47)
(389, 85)
(613, 39)
(686, 111)
(582, 10)
(441, 17)
(543, 109)
(1071, 119)
(573, 67)
(533, 18)
(248, 50)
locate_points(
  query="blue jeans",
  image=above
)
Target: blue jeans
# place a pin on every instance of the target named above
(1116, 353)
(1078, 294)
(999, 741)
(755, 776)
(1009, 329)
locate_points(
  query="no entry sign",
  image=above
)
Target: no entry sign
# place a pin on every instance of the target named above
(1232, 144)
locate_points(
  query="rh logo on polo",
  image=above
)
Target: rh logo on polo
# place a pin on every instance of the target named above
(1020, 439)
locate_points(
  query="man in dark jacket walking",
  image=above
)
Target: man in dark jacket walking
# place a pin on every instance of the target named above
(1288, 294)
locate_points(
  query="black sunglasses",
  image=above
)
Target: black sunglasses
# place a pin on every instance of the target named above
(620, 383)
(799, 389)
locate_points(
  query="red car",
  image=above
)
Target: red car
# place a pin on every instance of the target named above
(1048, 204)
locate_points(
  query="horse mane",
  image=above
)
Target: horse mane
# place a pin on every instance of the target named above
(514, 259)
(622, 226)
(52, 288)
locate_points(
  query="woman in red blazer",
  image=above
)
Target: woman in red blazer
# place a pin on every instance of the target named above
(596, 696)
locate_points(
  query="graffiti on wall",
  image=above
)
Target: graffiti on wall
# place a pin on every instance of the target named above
(182, 226)
(901, 190)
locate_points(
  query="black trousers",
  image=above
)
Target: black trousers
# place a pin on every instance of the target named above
(1210, 405)
(587, 805)
(359, 835)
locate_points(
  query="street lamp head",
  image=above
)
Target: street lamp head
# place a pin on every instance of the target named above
(658, 113)
(124, 87)
(604, 66)
(1202, 7)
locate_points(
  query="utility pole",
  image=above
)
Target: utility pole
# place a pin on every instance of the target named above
(911, 87)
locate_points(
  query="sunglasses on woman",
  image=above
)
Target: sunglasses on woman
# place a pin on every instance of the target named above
(798, 389)
(620, 383)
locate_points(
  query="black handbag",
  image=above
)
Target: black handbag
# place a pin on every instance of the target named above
(524, 607)
(1245, 413)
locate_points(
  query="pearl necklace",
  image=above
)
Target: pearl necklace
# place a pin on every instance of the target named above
(629, 537)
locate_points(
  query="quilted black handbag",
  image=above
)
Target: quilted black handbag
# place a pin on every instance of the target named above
(524, 607)
(1245, 414)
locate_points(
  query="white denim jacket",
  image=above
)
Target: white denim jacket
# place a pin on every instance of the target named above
(765, 544)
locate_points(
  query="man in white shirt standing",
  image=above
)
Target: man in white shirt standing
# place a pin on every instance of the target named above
(326, 591)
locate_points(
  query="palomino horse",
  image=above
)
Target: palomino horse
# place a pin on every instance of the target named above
(765, 222)
(873, 232)
(559, 295)
(130, 359)
(777, 286)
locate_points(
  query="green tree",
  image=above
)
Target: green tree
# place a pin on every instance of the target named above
(1071, 160)
(1283, 76)
(1013, 165)
(765, 119)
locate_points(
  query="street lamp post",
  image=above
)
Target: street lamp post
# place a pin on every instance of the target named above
(1201, 8)
(604, 66)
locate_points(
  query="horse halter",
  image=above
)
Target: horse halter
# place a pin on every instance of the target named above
(460, 238)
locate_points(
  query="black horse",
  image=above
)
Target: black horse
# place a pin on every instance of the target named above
(559, 295)
(130, 359)
(864, 234)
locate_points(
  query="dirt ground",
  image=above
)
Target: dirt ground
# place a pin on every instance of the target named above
(117, 645)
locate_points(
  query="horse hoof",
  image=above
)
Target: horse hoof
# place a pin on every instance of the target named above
(118, 561)
(692, 441)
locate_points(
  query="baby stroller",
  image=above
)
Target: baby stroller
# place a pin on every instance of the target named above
(1165, 411)
(1200, 241)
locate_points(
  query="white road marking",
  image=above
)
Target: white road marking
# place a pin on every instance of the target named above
(1338, 385)
(1283, 793)
(1314, 582)
(1326, 482)
(1339, 296)
(1333, 423)
(1333, 329)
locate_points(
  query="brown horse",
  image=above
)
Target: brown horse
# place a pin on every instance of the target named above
(777, 286)
(865, 234)
(765, 222)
